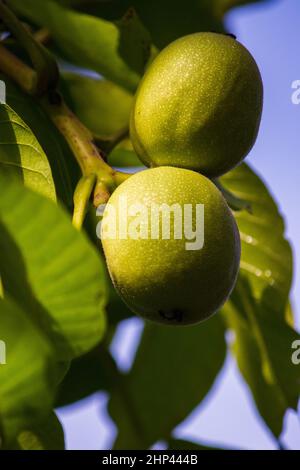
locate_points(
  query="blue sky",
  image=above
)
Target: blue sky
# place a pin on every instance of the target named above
(227, 415)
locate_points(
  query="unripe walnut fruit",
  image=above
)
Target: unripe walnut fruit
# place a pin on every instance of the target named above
(198, 105)
(168, 280)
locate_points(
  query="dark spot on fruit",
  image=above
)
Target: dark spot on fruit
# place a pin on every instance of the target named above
(231, 35)
(225, 34)
(172, 315)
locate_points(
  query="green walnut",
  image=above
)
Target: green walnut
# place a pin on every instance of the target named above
(171, 245)
(198, 106)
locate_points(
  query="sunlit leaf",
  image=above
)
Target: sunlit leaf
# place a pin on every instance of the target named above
(257, 310)
(169, 19)
(266, 254)
(22, 156)
(52, 270)
(64, 168)
(94, 43)
(268, 398)
(110, 109)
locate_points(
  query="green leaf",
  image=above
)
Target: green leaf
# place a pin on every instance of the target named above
(88, 374)
(169, 19)
(110, 109)
(46, 435)
(123, 155)
(173, 371)
(52, 270)
(257, 309)
(22, 156)
(92, 42)
(165, 20)
(275, 338)
(64, 168)
(26, 380)
(266, 255)
(268, 398)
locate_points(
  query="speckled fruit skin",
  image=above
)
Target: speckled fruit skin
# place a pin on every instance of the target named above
(159, 279)
(198, 106)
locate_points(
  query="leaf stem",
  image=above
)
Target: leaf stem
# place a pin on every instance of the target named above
(14, 68)
(80, 140)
